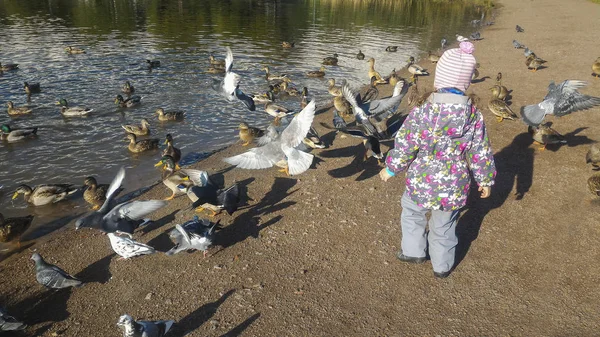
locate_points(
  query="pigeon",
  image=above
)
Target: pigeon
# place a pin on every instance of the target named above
(124, 217)
(131, 328)
(212, 198)
(194, 234)
(280, 148)
(9, 323)
(561, 100)
(52, 276)
(519, 29)
(461, 38)
(527, 52)
(517, 45)
(444, 43)
(475, 36)
(229, 86)
(126, 247)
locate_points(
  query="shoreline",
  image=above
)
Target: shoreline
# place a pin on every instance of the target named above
(315, 254)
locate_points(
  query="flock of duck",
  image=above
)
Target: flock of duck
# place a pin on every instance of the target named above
(286, 143)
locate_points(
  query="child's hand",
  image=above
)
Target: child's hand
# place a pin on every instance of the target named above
(384, 175)
(485, 191)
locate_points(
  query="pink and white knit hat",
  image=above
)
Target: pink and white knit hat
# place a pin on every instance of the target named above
(455, 67)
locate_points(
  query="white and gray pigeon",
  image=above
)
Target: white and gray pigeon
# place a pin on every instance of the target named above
(517, 45)
(124, 217)
(561, 100)
(194, 234)
(126, 247)
(52, 276)
(9, 323)
(229, 86)
(461, 38)
(131, 328)
(527, 52)
(444, 43)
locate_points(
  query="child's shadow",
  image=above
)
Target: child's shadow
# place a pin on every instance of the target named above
(514, 162)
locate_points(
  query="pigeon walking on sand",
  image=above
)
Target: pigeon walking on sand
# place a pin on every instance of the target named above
(519, 29)
(127, 247)
(51, 276)
(133, 328)
(517, 45)
(561, 100)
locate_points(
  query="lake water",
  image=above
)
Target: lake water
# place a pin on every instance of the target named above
(119, 35)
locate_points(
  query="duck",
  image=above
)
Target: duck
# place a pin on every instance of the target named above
(44, 194)
(74, 50)
(152, 64)
(533, 62)
(285, 88)
(544, 135)
(415, 69)
(177, 179)
(264, 97)
(391, 49)
(331, 60)
(164, 116)
(594, 184)
(360, 55)
(8, 66)
(127, 88)
(393, 78)
(316, 73)
(276, 110)
(371, 92)
(332, 89)
(11, 135)
(16, 111)
(249, 133)
(342, 105)
(13, 228)
(593, 156)
(215, 70)
(218, 63)
(499, 91)
(286, 44)
(68, 111)
(475, 74)
(129, 102)
(499, 78)
(171, 150)
(373, 72)
(137, 146)
(273, 77)
(31, 88)
(313, 140)
(304, 101)
(138, 130)
(596, 68)
(434, 58)
(94, 194)
(502, 111)
(413, 95)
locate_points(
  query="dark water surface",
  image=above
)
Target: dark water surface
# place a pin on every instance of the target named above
(119, 35)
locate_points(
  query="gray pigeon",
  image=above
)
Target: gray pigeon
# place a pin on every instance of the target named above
(517, 45)
(561, 100)
(527, 52)
(519, 29)
(475, 36)
(124, 217)
(52, 276)
(131, 328)
(194, 234)
(9, 323)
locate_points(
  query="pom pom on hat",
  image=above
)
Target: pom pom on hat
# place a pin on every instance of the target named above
(455, 67)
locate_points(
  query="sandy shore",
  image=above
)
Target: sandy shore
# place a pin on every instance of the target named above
(314, 255)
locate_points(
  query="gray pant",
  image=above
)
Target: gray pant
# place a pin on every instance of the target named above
(441, 236)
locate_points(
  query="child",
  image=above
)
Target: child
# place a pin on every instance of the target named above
(439, 143)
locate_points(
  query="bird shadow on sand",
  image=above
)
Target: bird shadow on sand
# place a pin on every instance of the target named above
(46, 306)
(365, 168)
(573, 139)
(513, 163)
(242, 326)
(248, 223)
(196, 318)
(481, 80)
(158, 223)
(98, 271)
(50, 227)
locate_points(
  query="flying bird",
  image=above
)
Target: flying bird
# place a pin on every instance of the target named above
(229, 87)
(194, 234)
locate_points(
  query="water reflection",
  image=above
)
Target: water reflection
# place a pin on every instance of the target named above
(120, 35)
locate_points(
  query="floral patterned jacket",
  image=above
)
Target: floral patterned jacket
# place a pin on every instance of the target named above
(440, 142)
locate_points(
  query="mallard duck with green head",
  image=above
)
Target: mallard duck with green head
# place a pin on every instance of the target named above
(94, 194)
(129, 102)
(331, 60)
(13, 228)
(137, 146)
(127, 88)
(10, 135)
(31, 88)
(264, 97)
(8, 66)
(165, 116)
(171, 150)
(316, 73)
(16, 111)
(415, 69)
(178, 180)
(138, 130)
(74, 50)
(373, 72)
(544, 135)
(74, 111)
(44, 194)
(391, 49)
(249, 133)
